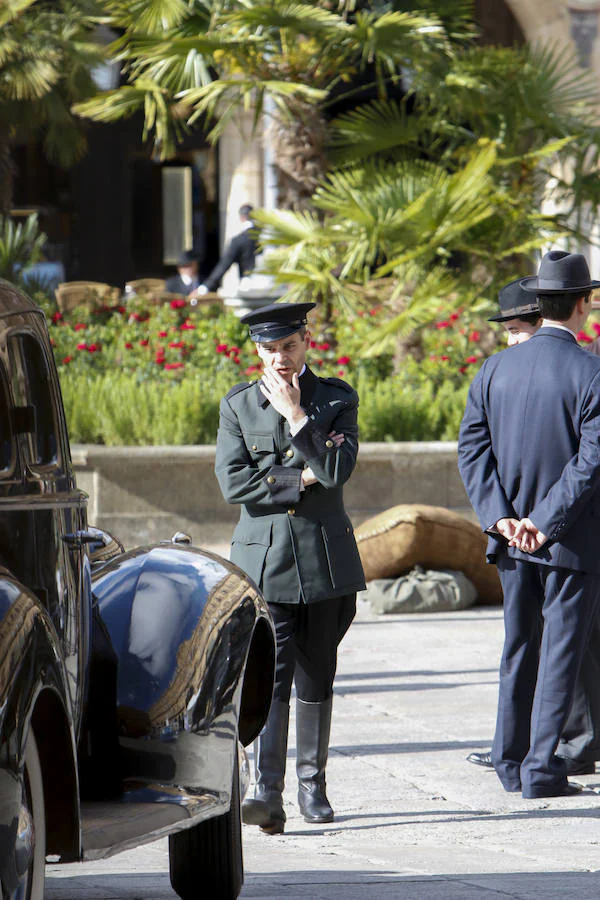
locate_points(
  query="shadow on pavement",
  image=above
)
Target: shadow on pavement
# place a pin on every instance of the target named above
(322, 884)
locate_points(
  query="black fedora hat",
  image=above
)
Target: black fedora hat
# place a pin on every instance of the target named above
(561, 273)
(515, 303)
(277, 320)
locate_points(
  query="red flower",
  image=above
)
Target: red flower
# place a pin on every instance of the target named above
(178, 304)
(234, 351)
(444, 358)
(82, 346)
(235, 360)
(596, 328)
(136, 317)
(177, 345)
(177, 365)
(374, 311)
(128, 346)
(80, 326)
(67, 360)
(475, 336)
(56, 317)
(462, 370)
(441, 325)
(343, 360)
(144, 343)
(163, 333)
(313, 344)
(454, 317)
(584, 338)
(52, 342)
(188, 326)
(471, 359)
(94, 348)
(324, 346)
(318, 362)
(341, 373)
(121, 309)
(221, 348)
(251, 370)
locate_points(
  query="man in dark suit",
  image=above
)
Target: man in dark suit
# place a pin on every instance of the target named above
(242, 250)
(580, 741)
(186, 281)
(285, 448)
(529, 455)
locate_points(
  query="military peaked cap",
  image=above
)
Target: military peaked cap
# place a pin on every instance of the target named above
(276, 321)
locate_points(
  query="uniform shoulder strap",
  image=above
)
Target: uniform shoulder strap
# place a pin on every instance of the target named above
(242, 386)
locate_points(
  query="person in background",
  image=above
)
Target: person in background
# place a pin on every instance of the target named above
(242, 250)
(286, 446)
(187, 280)
(528, 456)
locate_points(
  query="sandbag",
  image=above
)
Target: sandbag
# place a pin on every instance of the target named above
(420, 591)
(409, 535)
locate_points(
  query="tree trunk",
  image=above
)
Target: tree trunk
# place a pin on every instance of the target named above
(7, 172)
(301, 162)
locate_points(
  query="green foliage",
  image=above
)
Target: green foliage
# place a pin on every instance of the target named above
(20, 245)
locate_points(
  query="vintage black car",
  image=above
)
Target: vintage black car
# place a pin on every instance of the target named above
(129, 681)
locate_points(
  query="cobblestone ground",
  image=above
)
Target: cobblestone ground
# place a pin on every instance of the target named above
(414, 695)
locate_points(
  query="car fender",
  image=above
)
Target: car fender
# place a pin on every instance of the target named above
(182, 622)
(33, 695)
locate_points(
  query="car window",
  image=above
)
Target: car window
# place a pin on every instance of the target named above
(34, 416)
(6, 434)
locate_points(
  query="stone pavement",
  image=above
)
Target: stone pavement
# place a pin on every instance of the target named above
(414, 820)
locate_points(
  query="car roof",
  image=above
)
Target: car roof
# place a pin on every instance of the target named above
(13, 301)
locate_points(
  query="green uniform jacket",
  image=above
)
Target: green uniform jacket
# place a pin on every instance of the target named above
(297, 546)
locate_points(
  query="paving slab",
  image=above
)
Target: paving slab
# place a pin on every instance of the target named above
(414, 821)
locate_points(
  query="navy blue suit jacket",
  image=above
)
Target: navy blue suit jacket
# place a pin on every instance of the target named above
(529, 445)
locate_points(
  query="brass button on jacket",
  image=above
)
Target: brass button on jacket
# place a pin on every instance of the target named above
(254, 447)
(289, 452)
(291, 512)
(271, 479)
(329, 443)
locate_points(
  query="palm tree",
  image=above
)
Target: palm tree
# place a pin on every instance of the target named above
(207, 60)
(47, 54)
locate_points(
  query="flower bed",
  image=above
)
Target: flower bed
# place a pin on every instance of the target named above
(154, 374)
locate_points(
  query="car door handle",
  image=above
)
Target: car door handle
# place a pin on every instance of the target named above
(77, 539)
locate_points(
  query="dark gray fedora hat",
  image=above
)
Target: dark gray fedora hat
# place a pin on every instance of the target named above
(515, 303)
(561, 273)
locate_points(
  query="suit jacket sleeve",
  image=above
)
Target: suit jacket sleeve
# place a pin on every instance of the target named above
(477, 462)
(240, 478)
(230, 256)
(331, 465)
(568, 496)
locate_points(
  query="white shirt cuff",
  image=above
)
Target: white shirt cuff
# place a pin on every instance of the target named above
(294, 429)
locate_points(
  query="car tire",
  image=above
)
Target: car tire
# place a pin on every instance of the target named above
(32, 883)
(206, 860)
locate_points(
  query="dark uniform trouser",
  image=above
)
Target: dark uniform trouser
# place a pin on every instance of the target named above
(308, 635)
(548, 614)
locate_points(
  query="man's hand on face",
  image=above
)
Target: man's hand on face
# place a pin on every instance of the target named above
(283, 397)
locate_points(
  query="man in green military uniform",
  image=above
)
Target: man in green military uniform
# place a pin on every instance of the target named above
(286, 446)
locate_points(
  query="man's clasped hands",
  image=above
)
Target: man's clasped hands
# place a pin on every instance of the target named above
(522, 534)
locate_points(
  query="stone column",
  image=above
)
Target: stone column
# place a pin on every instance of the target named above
(241, 180)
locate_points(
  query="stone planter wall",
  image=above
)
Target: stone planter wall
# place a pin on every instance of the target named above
(146, 494)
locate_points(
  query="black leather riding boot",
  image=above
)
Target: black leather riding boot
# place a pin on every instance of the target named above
(265, 809)
(313, 724)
